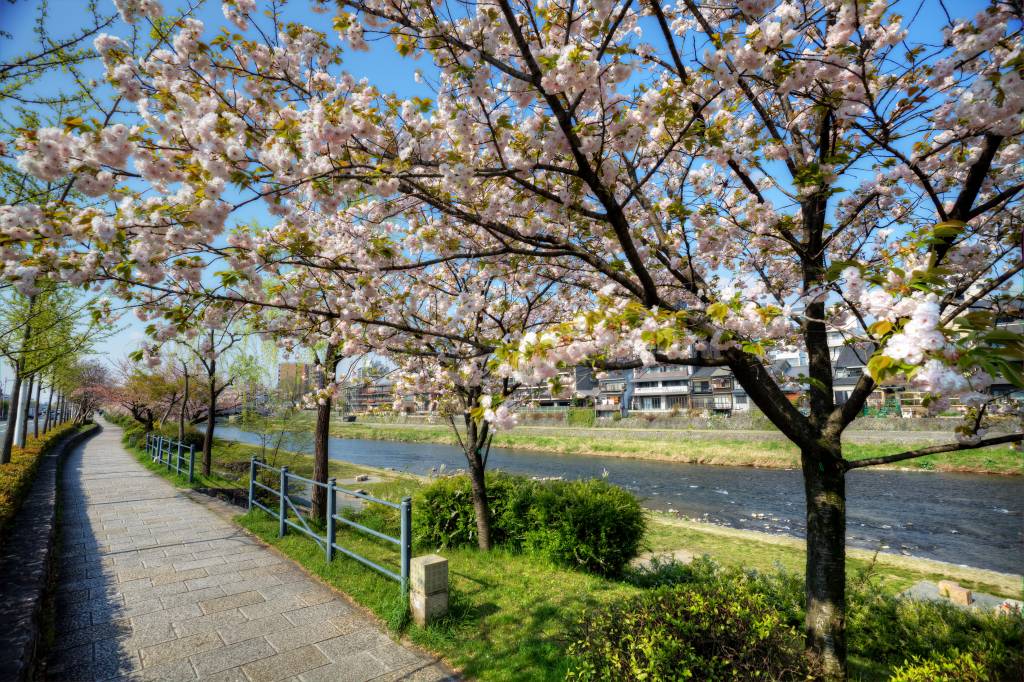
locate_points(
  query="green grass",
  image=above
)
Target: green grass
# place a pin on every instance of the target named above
(723, 450)
(510, 614)
(760, 551)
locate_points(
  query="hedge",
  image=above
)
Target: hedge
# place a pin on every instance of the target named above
(17, 475)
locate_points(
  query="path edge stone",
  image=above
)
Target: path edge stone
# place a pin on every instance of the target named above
(26, 564)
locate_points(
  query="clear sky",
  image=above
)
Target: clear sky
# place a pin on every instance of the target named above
(381, 65)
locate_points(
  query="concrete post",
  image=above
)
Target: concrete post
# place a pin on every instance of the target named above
(428, 588)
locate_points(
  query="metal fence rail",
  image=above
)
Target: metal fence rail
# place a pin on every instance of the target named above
(175, 454)
(286, 511)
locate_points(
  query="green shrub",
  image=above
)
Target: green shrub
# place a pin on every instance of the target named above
(444, 514)
(592, 525)
(783, 590)
(893, 630)
(581, 416)
(712, 629)
(193, 436)
(17, 475)
(956, 667)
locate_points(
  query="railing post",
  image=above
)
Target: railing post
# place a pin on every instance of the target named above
(406, 539)
(283, 508)
(252, 479)
(191, 461)
(177, 460)
(330, 517)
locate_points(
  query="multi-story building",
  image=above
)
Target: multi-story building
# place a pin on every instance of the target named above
(614, 391)
(661, 388)
(711, 389)
(577, 383)
(370, 395)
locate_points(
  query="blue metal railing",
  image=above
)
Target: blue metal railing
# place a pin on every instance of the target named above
(175, 454)
(286, 509)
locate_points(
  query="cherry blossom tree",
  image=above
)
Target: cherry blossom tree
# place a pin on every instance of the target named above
(704, 182)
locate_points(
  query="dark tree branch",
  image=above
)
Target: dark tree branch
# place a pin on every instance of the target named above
(933, 450)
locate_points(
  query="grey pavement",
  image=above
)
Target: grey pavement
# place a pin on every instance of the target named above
(155, 586)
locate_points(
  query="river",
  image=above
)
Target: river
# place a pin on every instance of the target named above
(969, 519)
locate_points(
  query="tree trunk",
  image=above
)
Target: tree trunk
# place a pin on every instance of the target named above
(320, 442)
(12, 419)
(23, 408)
(825, 489)
(49, 407)
(181, 412)
(39, 398)
(480, 506)
(211, 415)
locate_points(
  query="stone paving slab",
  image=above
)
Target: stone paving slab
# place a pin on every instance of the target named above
(154, 586)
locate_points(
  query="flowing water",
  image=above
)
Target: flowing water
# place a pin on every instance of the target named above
(970, 519)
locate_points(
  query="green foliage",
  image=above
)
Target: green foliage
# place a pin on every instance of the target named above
(590, 525)
(955, 667)
(445, 517)
(717, 627)
(581, 416)
(882, 628)
(193, 436)
(17, 475)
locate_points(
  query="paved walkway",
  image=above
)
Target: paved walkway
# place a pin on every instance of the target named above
(156, 586)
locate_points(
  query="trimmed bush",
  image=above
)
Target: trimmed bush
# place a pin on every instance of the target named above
(719, 629)
(17, 475)
(590, 525)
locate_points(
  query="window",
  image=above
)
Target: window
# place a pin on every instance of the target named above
(741, 400)
(675, 401)
(647, 403)
(673, 382)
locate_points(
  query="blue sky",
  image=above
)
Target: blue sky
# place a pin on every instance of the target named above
(381, 65)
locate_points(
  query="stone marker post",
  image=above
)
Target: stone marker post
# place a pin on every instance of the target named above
(428, 588)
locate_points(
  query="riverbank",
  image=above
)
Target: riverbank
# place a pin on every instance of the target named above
(513, 615)
(667, 532)
(744, 449)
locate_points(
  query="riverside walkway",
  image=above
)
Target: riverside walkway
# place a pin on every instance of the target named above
(153, 585)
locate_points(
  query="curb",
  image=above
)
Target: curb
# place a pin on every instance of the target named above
(26, 564)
